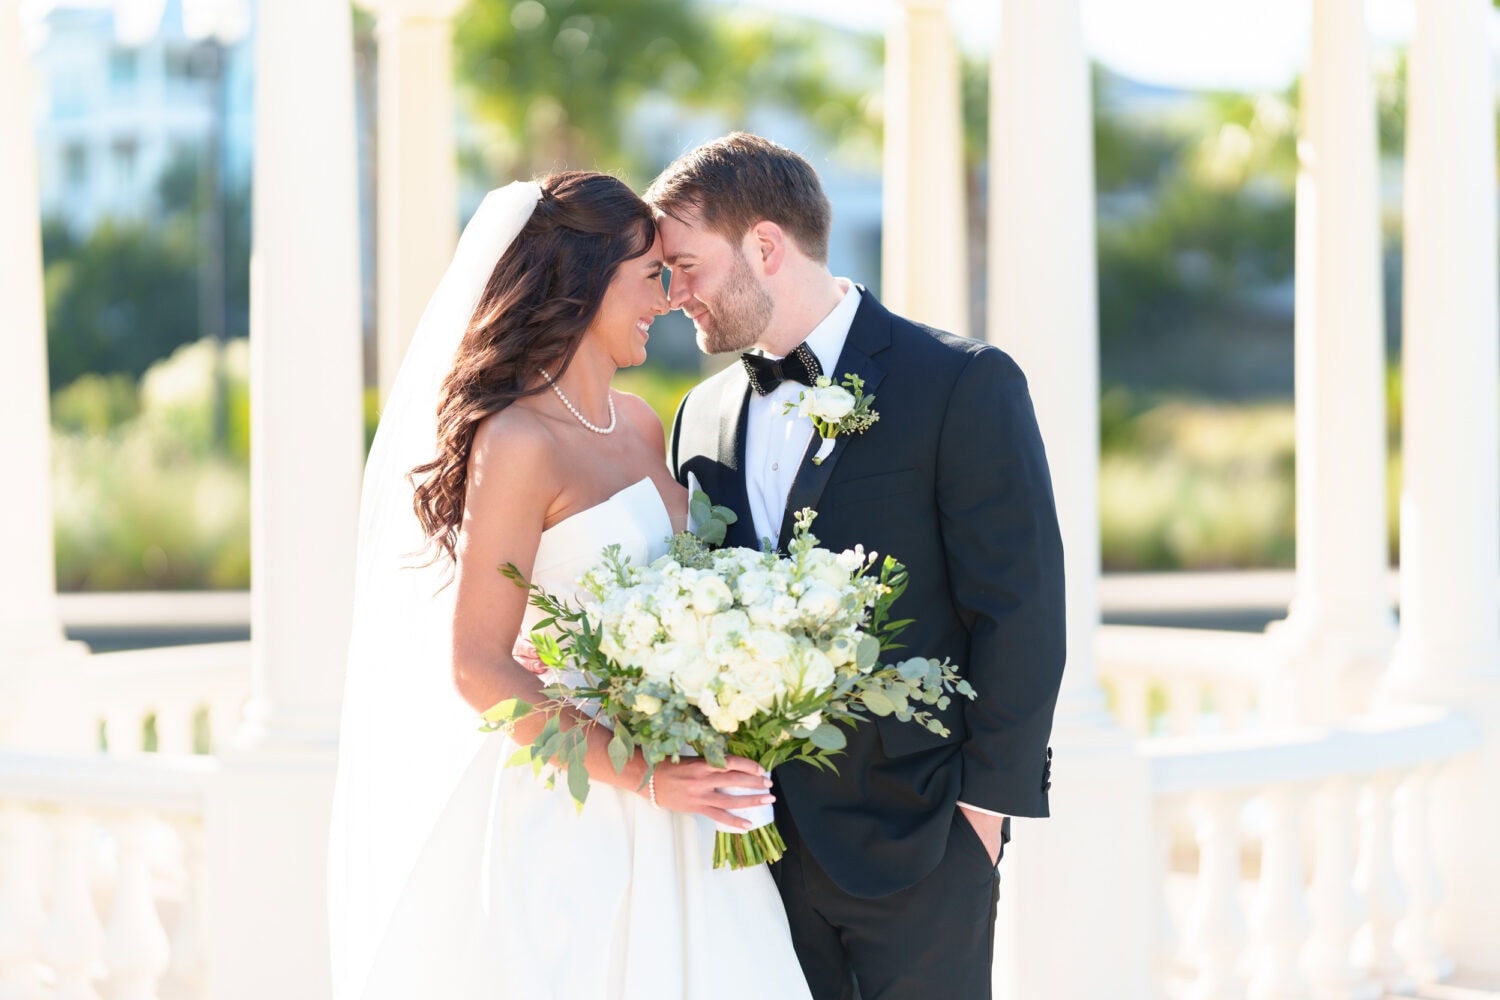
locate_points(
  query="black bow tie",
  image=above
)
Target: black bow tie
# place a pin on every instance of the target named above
(766, 373)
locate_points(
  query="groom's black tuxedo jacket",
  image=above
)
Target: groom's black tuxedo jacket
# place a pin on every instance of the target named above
(953, 482)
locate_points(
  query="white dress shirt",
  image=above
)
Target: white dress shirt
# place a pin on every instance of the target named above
(776, 441)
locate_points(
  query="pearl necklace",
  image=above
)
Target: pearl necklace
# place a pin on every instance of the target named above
(574, 410)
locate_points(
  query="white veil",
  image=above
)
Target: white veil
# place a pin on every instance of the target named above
(406, 737)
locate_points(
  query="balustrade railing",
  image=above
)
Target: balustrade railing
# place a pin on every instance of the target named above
(1309, 872)
(101, 876)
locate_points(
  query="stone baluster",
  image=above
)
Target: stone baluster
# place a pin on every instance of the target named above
(1234, 702)
(1166, 818)
(1184, 703)
(185, 976)
(174, 728)
(1133, 702)
(72, 941)
(21, 913)
(1415, 940)
(1214, 935)
(135, 946)
(1337, 910)
(1279, 919)
(123, 729)
(223, 717)
(1379, 882)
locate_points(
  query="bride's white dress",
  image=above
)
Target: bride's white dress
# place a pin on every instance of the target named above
(518, 894)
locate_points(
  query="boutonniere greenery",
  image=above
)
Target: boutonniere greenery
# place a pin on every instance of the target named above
(835, 410)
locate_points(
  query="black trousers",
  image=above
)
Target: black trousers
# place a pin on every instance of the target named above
(931, 941)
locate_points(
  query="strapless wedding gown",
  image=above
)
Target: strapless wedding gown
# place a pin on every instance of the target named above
(520, 895)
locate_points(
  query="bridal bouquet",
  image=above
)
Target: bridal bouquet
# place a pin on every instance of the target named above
(728, 651)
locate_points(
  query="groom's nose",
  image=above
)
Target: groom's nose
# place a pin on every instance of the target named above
(677, 290)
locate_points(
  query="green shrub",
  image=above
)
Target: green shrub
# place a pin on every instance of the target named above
(95, 404)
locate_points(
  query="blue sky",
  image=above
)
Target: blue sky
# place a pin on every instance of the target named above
(1232, 44)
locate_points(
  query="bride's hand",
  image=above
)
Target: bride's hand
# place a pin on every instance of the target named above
(692, 786)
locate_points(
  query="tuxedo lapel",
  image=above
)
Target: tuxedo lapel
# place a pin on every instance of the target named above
(733, 414)
(869, 334)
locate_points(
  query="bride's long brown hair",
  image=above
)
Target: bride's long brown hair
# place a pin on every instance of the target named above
(539, 300)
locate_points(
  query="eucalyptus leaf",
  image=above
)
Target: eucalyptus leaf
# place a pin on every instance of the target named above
(828, 737)
(876, 701)
(619, 750)
(867, 652)
(578, 776)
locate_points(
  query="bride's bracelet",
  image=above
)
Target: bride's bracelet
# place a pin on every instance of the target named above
(651, 789)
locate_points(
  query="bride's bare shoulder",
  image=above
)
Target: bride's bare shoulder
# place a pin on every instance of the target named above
(641, 418)
(517, 444)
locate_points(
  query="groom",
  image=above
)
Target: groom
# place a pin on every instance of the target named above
(889, 880)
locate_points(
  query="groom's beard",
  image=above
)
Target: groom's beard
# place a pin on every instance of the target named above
(742, 315)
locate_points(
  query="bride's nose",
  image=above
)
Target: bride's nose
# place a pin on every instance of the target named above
(660, 303)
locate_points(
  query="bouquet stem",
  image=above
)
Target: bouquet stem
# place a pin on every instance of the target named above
(746, 850)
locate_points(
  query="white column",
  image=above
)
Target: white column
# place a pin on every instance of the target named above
(305, 362)
(266, 817)
(924, 243)
(28, 600)
(1339, 630)
(1042, 310)
(1043, 295)
(417, 183)
(1450, 633)
(1450, 535)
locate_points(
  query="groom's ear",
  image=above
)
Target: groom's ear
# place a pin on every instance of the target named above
(766, 244)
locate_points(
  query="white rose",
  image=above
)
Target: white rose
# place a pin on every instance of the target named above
(769, 646)
(733, 625)
(742, 707)
(819, 603)
(777, 614)
(760, 680)
(810, 671)
(711, 595)
(842, 650)
(723, 721)
(692, 673)
(646, 704)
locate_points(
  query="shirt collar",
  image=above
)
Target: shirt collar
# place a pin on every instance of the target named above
(827, 338)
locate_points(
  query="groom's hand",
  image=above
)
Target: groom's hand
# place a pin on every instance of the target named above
(989, 827)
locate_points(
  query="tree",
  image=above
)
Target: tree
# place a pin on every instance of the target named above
(560, 77)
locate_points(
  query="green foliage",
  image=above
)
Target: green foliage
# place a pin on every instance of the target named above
(559, 77)
(143, 498)
(95, 404)
(119, 300)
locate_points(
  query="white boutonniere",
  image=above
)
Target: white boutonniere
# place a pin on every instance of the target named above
(835, 410)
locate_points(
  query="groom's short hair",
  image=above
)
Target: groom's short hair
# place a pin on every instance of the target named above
(732, 183)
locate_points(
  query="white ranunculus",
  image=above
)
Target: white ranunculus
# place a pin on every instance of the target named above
(842, 650)
(646, 704)
(723, 720)
(812, 721)
(742, 707)
(828, 403)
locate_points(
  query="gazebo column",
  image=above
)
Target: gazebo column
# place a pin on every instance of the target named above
(1449, 649)
(924, 241)
(1043, 311)
(418, 178)
(271, 801)
(1339, 630)
(31, 634)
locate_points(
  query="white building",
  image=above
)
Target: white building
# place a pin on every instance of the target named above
(112, 111)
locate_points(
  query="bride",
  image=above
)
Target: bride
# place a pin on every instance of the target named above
(452, 875)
